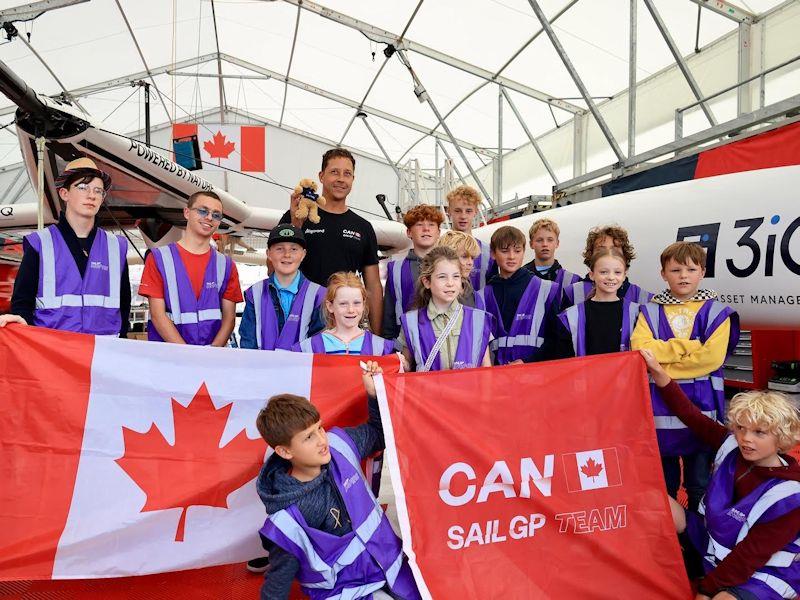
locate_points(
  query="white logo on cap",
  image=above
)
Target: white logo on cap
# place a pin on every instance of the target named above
(286, 233)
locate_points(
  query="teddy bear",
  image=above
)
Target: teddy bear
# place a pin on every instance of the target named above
(308, 201)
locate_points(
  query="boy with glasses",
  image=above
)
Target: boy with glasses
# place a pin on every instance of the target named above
(192, 288)
(74, 276)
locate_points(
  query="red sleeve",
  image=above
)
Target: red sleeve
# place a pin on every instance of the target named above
(753, 552)
(708, 430)
(234, 291)
(151, 284)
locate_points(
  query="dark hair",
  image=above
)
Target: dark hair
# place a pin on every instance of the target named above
(81, 176)
(427, 265)
(193, 198)
(616, 233)
(505, 236)
(283, 417)
(337, 153)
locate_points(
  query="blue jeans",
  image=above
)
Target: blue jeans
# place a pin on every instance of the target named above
(696, 475)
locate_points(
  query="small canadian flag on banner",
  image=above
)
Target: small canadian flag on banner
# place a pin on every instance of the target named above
(237, 147)
(592, 469)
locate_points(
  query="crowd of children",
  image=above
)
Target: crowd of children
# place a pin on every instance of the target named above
(451, 302)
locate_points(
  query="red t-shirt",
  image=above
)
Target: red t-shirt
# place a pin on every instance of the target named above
(152, 285)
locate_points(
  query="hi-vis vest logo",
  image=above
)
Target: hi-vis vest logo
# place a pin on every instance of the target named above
(592, 469)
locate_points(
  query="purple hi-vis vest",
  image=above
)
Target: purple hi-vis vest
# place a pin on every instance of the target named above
(473, 338)
(400, 286)
(482, 266)
(579, 291)
(67, 301)
(309, 296)
(373, 345)
(727, 523)
(706, 391)
(574, 319)
(360, 562)
(480, 298)
(198, 320)
(527, 329)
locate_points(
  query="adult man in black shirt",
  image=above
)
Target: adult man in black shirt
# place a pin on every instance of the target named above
(342, 240)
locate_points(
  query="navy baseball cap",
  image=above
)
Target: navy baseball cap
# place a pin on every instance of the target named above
(286, 232)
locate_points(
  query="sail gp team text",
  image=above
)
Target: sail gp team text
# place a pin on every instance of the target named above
(527, 478)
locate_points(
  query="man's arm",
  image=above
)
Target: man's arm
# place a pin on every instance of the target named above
(164, 326)
(26, 283)
(390, 329)
(228, 321)
(372, 281)
(125, 302)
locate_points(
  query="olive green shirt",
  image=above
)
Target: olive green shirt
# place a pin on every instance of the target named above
(439, 320)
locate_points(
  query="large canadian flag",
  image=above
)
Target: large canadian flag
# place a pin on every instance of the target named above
(237, 147)
(121, 457)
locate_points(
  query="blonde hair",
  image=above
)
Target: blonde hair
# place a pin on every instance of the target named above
(426, 268)
(335, 283)
(466, 193)
(544, 224)
(770, 410)
(458, 241)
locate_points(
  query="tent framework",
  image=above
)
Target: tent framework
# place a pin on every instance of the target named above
(472, 159)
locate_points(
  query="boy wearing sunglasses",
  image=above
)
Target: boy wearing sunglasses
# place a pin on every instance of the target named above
(74, 276)
(192, 288)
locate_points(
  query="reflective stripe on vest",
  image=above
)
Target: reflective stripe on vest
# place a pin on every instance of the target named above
(578, 293)
(305, 345)
(572, 320)
(397, 286)
(772, 496)
(778, 585)
(258, 290)
(478, 323)
(781, 558)
(308, 307)
(644, 296)
(415, 343)
(49, 299)
(484, 266)
(531, 338)
(175, 314)
(675, 423)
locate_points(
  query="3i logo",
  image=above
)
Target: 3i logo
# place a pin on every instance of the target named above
(707, 235)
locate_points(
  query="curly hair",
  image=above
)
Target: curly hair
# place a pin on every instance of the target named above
(771, 411)
(464, 192)
(422, 212)
(616, 233)
(426, 268)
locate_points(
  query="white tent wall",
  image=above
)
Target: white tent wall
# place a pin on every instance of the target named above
(715, 68)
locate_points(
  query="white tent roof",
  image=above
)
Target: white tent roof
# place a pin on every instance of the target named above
(90, 43)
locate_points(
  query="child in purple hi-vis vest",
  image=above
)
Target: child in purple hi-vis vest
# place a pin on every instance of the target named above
(285, 308)
(746, 531)
(543, 237)
(609, 236)
(690, 333)
(604, 322)
(324, 526)
(443, 334)
(524, 307)
(422, 227)
(462, 208)
(345, 305)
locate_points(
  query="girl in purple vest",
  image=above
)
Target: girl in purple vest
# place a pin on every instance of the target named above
(74, 275)
(604, 322)
(610, 236)
(442, 333)
(467, 249)
(345, 312)
(747, 526)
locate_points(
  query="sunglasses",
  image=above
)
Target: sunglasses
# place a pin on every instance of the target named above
(204, 213)
(86, 189)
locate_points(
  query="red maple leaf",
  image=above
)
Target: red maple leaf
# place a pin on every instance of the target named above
(591, 468)
(219, 148)
(194, 471)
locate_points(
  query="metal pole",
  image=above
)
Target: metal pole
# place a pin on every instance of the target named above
(147, 114)
(423, 95)
(397, 172)
(676, 54)
(40, 145)
(744, 103)
(632, 80)
(498, 183)
(587, 97)
(532, 139)
(452, 162)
